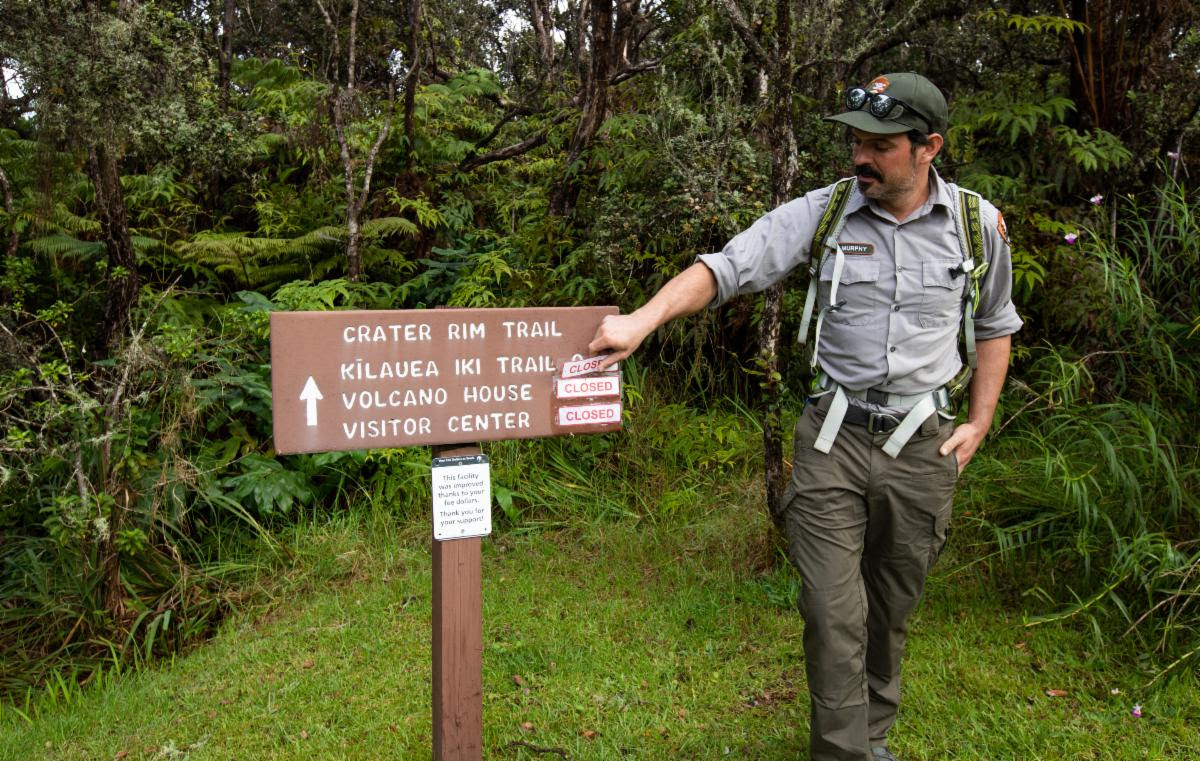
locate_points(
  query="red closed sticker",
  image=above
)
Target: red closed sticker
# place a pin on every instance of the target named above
(586, 366)
(590, 414)
(577, 388)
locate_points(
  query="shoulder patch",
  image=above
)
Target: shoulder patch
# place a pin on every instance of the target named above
(857, 249)
(1001, 227)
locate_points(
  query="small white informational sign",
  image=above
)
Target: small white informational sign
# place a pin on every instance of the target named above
(462, 497)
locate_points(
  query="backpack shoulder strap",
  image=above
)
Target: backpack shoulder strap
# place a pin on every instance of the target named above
(829, 226)
(974, 265)
(832, 218)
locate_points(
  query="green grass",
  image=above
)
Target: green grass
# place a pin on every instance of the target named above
(620, 640)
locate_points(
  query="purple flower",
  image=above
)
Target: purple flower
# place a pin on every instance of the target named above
(1070, 238)
(1137, 711)
(1096, 199)
(1173, 155)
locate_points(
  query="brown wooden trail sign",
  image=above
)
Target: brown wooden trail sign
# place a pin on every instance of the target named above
(395, 378)
(371, 379)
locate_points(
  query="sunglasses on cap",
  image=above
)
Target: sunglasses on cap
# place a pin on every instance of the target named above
(882, 106)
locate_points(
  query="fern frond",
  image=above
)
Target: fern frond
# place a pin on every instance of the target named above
(13, 146)
(428, 216)
(280, 273)
(59, 220)
(65, 245)
(141, 243)
(314, 241)
(385, 226)
(1058, 25)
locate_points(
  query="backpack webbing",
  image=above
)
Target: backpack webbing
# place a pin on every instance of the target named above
(829, 226)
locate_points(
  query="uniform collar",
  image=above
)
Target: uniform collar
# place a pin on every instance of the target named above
(939, 195)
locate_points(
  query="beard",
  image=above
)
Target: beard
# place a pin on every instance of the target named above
(889, 188)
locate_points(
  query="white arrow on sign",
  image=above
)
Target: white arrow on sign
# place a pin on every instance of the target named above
(311, 394)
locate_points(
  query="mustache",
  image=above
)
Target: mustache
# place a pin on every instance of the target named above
(863, 170)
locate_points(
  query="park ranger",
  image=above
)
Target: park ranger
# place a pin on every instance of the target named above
(904, 267)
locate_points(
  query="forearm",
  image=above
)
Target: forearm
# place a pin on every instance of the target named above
(988, 380)
(688, 292)
(982, 397)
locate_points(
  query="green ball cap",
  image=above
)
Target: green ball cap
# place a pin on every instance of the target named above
(910, 89)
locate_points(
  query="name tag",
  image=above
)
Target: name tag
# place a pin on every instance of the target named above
(857, 249)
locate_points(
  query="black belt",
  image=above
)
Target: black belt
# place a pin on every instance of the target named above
(875, 396)
(874, 422)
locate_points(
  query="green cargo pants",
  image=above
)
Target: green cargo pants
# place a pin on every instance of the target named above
(864, 530)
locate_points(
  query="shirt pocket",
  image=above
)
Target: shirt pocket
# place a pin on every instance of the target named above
(941, 292)
(857, 287)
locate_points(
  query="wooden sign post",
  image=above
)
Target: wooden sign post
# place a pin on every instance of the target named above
(371, 379)
(457, 643)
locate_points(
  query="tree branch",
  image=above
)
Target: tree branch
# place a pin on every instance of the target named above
(333, 32)
(902, 31)
(508, 117)
(633, 70)
(516, 149)
(539, 14)
(742, 27)
(379, 140)
(353, 39)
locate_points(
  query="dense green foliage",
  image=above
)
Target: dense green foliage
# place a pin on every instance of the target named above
(211, 162)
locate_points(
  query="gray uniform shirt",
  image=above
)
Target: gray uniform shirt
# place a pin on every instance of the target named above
(898, 330)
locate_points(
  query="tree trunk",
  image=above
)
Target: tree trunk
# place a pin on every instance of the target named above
(783, 172)
(353, 259)
(543, 27)
(356, 197)
(412, 80)
(353, 243)
(225, 48)
(565, 192)
(14, 238)
(342, 103)
(122, 274)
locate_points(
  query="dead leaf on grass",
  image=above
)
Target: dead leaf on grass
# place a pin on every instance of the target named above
(1057, 693)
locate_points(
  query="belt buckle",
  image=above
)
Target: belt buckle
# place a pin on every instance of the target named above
(881, 422)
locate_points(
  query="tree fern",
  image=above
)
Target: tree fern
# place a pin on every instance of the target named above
(259, 262)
